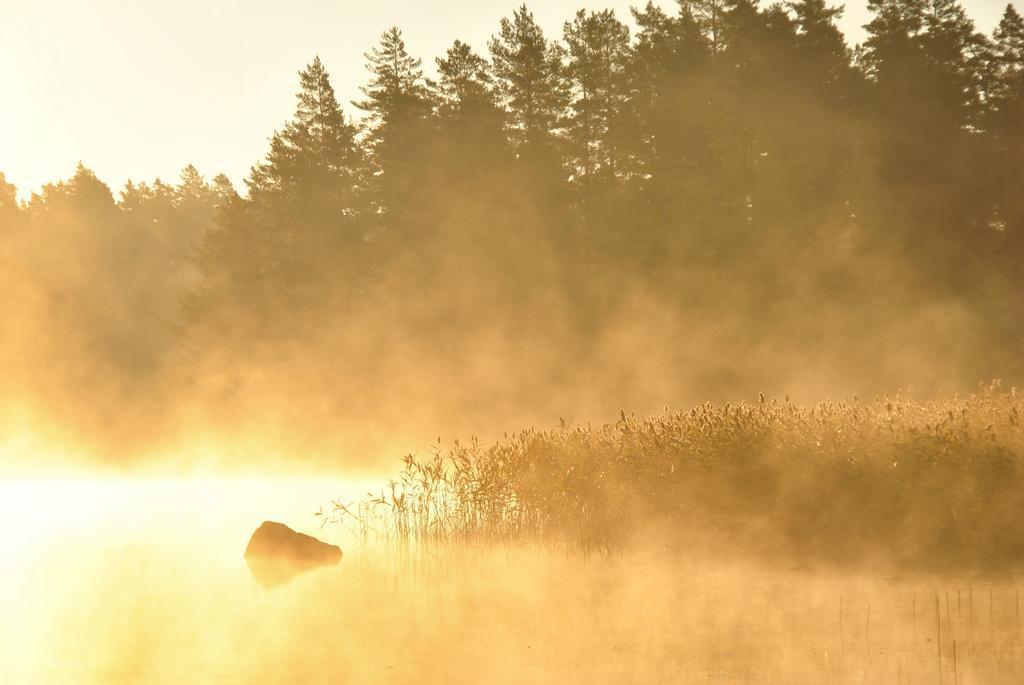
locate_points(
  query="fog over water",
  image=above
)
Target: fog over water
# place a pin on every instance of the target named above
(114, 580)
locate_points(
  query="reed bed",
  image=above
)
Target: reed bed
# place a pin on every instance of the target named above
(931, 484)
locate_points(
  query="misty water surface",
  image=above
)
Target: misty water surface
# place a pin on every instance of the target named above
(142, 580)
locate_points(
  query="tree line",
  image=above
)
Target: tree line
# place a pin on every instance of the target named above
(736, 165)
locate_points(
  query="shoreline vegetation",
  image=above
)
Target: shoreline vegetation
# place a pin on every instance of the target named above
(897, 483)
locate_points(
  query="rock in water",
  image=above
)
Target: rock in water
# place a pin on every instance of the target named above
(276, 553)
(273, 539)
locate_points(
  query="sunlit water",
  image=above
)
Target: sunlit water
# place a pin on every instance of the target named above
(143, 581)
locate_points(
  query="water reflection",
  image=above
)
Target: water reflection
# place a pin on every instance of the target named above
(271, 572)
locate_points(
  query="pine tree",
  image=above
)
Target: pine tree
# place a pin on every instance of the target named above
(926, 63)
(596, 146)
(710, 16)
(1005, 124)
(396, 97)
(926, 59)
(956, 53)
(666, 45)
(893, 44)
(398, 108)
(825, 92)
(83, 194)
(162, 202)
(195, 205)
(824, 55)
(236, 288)
(667, 81)
(223, 188)
(477, 196)
(1007, 87)
(8, 194)
(192, 188)
(599, 50)
(150, 208)
(297, 242)
(312, 170)
(9, 207)
(530, 75)
(531, 86)
(670, 85)
(396, 94)
(134, 196)
(471, 124)
(465, 88)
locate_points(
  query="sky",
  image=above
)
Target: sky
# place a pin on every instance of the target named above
(140, 88)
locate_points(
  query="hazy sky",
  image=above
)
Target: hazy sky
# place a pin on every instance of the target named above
(140, 88)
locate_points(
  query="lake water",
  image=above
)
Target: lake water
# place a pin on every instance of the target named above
(135, 580)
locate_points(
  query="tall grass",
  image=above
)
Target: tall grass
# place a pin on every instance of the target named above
(931, 484)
